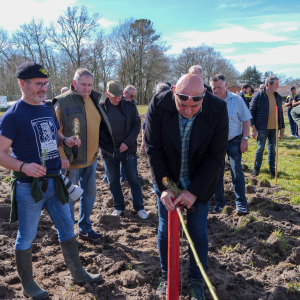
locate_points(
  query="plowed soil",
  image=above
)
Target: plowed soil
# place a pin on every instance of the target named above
(250, 258)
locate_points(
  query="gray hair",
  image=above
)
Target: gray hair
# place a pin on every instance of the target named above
(80, 72)
(217, 77)
(197, 67)
(129, 87)
(64, 88)
(161, 87)
(270, 79)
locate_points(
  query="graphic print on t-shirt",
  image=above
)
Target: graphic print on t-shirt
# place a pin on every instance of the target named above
(45, 135)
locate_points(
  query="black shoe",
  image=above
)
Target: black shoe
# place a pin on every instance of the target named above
(196, 290)
(273, 174)
(92, 235)
(242, 213)
(163, 284)
(255, 173)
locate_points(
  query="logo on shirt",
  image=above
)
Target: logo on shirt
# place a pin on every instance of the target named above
(45, 135)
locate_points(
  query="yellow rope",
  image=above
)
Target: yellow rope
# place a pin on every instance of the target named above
(210, 286)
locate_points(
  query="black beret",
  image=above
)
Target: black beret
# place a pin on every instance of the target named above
(31, 69)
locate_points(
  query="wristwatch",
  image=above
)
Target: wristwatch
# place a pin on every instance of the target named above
(65, 142)
(246, 138)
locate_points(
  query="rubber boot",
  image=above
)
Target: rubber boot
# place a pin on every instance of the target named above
(70, 252)
(24, 267)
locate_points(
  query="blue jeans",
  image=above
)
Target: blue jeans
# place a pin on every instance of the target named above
(86, 178)
(196, 225)
(122, 171)
(293, 125)
(262, 136)
(29, 214)
(238, 179)
(112, 169)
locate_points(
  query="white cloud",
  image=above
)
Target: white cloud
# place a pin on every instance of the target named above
(277, 27)
(240, 4)
(105, 23)
(20, 11)
(274, 59)
(226, 36)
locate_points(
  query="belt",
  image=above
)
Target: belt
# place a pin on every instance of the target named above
(238, 136)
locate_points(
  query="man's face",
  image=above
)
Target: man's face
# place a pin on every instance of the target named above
(219, 88)
(293, 91)
(189, 108)
(114, 100)
(248, 90)
(273, 88)
(32, 91)
(129, 95)
(84, 86)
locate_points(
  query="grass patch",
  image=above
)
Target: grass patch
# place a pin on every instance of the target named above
(288, 163)
(142, 109)
(279, 234)
(7, 179)
(294, 288)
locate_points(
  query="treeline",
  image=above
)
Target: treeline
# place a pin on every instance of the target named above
(133, 53)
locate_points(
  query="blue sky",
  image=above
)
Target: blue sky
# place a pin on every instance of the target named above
(261, 33)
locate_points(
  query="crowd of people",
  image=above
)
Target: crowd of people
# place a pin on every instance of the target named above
(188, 130)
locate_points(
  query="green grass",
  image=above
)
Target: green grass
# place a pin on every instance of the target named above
(288, 163)
(142, 109)
(2, 113)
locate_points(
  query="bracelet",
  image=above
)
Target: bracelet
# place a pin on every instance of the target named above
(64, 142)
(23, 163)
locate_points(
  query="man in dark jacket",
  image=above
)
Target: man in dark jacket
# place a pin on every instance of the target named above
(186, 139)
(263, 122)
(289, 104)
(81, 103)
(246, 89)
(126, 125)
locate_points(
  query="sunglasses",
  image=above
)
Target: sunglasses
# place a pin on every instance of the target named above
(185, 98)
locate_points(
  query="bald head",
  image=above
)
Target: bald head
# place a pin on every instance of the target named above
(190, 84)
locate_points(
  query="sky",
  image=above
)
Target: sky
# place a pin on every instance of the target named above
(261, 33)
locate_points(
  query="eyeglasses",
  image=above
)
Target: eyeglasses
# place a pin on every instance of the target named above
(131, 96)
(40, 85)
(185, 98)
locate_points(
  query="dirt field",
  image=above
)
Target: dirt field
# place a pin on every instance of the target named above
(250, 258)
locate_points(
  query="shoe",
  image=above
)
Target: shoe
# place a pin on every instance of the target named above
(92, 235)
(273, 174)
(24, 266)
(217, 210)
(71, 256)
(142, 214)
(242, 213)
(196, 290)
(117, 213)
(123, 179)
(104, 180)
(163, 284)
(297, 136)
(255, 173)
(291, 135)
(152, 192)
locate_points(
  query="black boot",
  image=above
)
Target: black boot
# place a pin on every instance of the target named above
(70, 252)
(24, 267)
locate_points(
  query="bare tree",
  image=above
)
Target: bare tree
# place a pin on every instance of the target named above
(72, 32)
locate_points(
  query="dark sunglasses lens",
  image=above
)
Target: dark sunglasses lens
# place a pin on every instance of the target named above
(197, 99)
(183, 98)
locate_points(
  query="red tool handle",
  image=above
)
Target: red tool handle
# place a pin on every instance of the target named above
(173, 254)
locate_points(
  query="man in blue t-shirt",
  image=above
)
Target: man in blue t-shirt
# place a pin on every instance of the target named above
(28, 128)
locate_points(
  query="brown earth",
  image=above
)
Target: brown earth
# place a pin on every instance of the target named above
(247, 261)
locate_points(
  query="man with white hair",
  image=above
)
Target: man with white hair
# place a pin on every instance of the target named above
(81, 103)
(129, 93)
(64, 89)
(197, 69)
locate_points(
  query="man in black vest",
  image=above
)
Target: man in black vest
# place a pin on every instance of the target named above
(78, 113)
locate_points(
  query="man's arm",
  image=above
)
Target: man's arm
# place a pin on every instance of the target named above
(11, 163)
(244, 143)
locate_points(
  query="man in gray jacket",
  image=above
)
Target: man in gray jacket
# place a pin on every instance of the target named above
(126, 125)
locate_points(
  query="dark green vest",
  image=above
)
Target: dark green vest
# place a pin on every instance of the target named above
(72, 106)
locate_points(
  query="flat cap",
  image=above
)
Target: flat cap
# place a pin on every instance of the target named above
(31, 69)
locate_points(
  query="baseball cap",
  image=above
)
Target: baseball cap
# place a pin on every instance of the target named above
(114, 88)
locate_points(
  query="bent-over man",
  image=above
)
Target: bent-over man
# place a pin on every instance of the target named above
(29, 129)
(186, 139)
